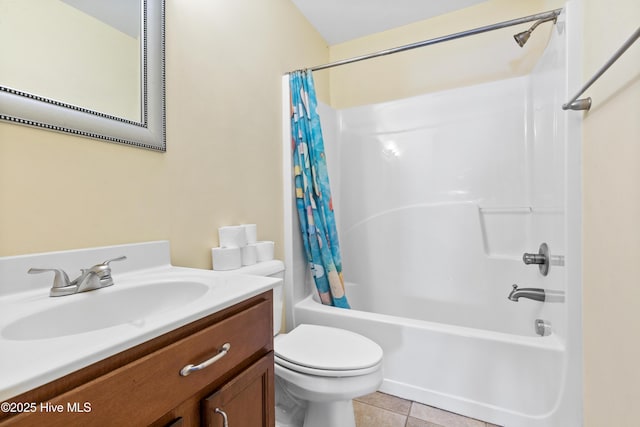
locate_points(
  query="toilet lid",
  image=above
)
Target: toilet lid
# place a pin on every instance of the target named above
(314, 348)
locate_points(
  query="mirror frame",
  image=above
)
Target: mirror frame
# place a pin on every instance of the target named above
(150, 133)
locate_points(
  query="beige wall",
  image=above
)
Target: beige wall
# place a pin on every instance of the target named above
(485, 57)
(611, 212)
(223, 161)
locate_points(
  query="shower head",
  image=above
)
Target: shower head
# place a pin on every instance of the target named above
(521, 38)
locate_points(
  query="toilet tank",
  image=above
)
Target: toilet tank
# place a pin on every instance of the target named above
(273, 268)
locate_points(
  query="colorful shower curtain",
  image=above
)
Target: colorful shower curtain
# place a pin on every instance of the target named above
(313, 195)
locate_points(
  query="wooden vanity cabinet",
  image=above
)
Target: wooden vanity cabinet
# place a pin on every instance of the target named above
(143, 386)
(244, 401)
(247, 400)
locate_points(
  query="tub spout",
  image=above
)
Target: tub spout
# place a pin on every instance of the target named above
(536, 294)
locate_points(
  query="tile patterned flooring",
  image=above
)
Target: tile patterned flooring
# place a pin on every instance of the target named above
(384, 410)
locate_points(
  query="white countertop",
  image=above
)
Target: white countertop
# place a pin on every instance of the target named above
(29, 363)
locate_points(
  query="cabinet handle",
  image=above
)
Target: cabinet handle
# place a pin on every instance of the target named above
(225, 421)
(192, 368)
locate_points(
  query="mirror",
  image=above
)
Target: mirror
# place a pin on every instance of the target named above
(92, 68)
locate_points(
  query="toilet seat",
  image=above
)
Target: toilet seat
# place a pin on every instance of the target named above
(328, 352)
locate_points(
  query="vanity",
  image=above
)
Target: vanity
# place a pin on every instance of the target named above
(200, 356)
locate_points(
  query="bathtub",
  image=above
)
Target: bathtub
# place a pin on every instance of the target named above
(498, 377)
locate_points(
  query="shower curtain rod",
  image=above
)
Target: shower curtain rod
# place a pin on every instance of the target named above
(540, 16)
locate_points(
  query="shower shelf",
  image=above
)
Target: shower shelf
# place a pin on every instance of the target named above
(506, 209)
(518, 209)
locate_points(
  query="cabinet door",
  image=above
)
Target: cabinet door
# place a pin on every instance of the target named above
(176, 423)
(245, 401)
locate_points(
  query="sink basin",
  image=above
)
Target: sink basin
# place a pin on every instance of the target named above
(103, 308)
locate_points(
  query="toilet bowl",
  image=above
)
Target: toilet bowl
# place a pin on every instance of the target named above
(326, 368)
(318, 369)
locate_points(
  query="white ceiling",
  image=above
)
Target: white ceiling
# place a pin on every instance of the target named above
(123, 15)
(342, 20)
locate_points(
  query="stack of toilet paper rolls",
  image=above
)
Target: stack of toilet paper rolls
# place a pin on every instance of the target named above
(239, 247)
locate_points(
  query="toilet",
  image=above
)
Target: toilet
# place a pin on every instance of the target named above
(318, 369)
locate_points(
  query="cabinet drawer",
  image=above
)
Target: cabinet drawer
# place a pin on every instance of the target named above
(136, 393)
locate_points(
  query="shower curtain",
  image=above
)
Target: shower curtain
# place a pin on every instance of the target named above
(313, 195)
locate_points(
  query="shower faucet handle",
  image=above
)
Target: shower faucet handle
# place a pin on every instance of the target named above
(541, 259)
(533, 258)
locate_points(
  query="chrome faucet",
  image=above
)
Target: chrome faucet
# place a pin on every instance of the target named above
(536, 294)
(96, 277)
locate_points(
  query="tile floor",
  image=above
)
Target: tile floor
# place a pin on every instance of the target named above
(383, 410)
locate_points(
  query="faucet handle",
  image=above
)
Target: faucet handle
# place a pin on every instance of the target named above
(104, 269)
(120, 258)
(541, 259)
(60, 280)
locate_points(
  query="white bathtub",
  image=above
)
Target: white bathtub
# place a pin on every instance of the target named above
(502, 378)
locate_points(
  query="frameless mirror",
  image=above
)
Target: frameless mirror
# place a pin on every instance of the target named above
(86, 67)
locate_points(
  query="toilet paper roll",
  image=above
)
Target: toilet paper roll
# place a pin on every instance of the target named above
(252, 232)
(232, 236)
(226, 258)
(265, 250)
(249, 254)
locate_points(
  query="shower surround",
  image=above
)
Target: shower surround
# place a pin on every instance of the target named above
(437, 198)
